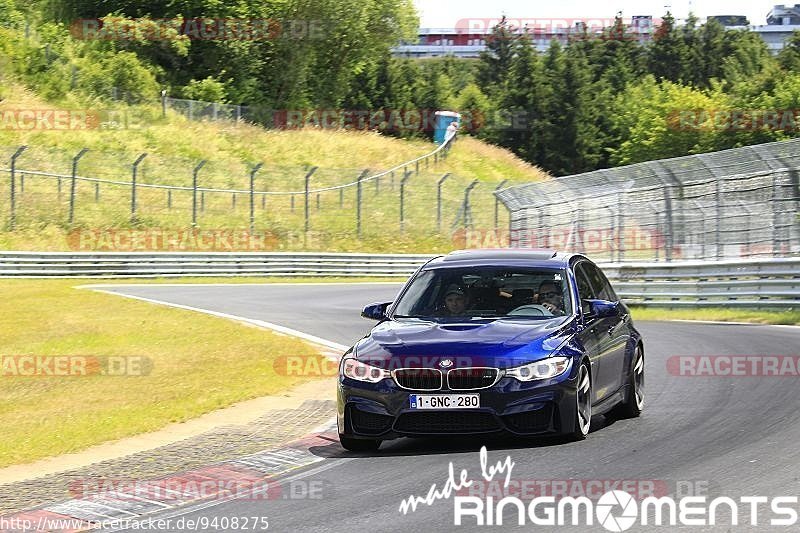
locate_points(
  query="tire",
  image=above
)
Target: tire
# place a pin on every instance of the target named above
(359, 445)
(634, 403)
(583, 405)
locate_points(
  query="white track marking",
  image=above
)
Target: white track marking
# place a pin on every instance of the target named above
(260, 323)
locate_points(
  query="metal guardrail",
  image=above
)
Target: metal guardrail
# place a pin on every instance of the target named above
(221, 264)
(744, 283)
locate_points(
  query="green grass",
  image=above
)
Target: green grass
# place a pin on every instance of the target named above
(175, 145)
(199, 364)
(719, 314)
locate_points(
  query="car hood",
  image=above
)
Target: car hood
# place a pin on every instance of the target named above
(503, 343)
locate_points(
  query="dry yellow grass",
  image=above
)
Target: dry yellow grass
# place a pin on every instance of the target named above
(198, 364)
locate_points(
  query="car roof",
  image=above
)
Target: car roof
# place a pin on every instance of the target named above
(531, 257)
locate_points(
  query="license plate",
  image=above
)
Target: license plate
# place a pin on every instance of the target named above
(445, 401)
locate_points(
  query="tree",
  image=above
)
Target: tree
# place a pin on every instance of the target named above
(495, 61)
(789, 57)
(520, 105)
(667, 52)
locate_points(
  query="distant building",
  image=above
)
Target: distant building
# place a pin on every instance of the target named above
(781, 20)
(784, 16)
(470, 42)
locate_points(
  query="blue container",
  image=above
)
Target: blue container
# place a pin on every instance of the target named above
(443, 119)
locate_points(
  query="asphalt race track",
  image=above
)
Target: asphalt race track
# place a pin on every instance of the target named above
(732, 436)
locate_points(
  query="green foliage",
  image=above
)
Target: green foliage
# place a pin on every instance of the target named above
(10, 16)
(664, 119)
(592, 102)
(208, 89)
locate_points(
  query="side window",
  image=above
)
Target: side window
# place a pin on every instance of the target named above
(585, 291)
(608, 288)
(602, 288)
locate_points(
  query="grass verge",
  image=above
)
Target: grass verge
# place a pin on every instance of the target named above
(198, 364)
(718, 314)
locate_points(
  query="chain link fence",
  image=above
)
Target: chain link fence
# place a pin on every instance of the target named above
(295, 207)
(734, 203)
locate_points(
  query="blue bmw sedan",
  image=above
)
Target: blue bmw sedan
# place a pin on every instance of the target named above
(526, 342)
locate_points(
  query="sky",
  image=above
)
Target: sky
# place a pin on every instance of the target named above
(447, 13)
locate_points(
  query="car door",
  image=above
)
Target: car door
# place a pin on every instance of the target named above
(597, 329)
(588, 332)
(613, 329)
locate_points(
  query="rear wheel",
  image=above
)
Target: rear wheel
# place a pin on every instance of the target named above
(583, 405)
(359, 445)
(633, 405)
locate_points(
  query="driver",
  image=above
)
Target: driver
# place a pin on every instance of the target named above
(455, 300)
(550, 298)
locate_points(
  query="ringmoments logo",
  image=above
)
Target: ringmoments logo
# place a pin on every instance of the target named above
(615, 510)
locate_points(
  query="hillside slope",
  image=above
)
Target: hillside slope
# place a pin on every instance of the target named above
(176, 145)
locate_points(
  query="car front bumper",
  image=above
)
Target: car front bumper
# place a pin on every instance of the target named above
(382, 410)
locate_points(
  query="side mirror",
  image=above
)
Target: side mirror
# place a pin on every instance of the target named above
(600, 308)
(376, 311)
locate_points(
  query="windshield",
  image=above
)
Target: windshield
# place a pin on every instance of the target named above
(486, 292)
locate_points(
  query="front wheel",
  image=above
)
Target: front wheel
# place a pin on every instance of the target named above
(359, 445)
(583, 405)
(633, 405)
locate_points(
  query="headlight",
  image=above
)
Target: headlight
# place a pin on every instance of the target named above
(544, 369)
(354, 369)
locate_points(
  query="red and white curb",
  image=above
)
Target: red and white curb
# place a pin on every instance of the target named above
(258, 474)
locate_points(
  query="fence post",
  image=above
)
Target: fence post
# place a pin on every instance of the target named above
(305, 196)
(134, 171)
(467, 208)
(194, 191)
(73, 183)
(22, 183)
(497, 205)
(417, 166)
(621, 228)
(253, 196)
(439, 202)
(403, 181)
(775, 246)
(341, 198)
(169, 198)
(164, 103)
(96, 191)
(13, 218)
(233, 201)
(202, 201)
(669, 239)
(358, 203)
(718, 227)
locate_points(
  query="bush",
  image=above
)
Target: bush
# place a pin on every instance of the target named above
(100, 74)
(208, 90)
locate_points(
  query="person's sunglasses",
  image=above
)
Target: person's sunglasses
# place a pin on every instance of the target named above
(548, 294)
